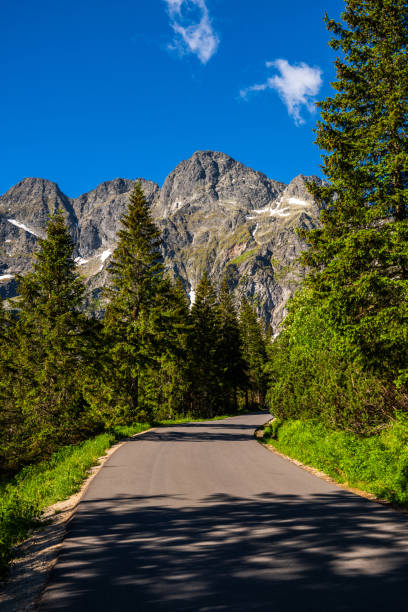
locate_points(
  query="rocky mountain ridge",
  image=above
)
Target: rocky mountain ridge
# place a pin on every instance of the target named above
(215, 214)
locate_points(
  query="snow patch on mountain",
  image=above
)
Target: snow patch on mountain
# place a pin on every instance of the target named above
(24, 227)
(81, 261)
(192, 297)
(262, 211)
(298, 201)
(276, 212)
(103, 256)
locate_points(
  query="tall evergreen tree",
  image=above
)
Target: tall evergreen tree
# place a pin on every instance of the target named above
(11, 418)
(139, 312)
(206, 372)
(254, 354)
(359, 257)
(55, 347)
(171, 382)
(230, 349)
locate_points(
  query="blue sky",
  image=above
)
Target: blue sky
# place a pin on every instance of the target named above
(93, 90)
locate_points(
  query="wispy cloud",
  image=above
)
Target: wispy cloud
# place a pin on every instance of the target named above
(192, 26)
(296, 84)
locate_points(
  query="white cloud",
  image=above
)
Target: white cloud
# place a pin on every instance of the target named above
(194, 32)
(174, 5)
(296, 84)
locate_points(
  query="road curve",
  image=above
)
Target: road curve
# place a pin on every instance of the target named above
(201, 517)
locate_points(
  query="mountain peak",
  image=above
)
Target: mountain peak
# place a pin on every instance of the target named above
(297, 187)
(209, 154)
(34, 185)
(213, 176)
(33, 200)
(216, 215)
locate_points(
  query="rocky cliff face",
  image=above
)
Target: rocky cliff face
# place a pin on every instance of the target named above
(216, 215)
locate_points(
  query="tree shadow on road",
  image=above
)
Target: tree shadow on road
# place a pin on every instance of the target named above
(326, 552)
(199, 432)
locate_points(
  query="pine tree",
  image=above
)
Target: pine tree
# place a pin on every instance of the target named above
(139, 311)
(55, 347)
(254, 354)
(11, 418)
(54, 287)
(205, 370)
(359, 257)
(230, 349)
(171, 381)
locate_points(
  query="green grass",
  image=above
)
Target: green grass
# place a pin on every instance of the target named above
(38, 486)
(243, 257)
(377, 464)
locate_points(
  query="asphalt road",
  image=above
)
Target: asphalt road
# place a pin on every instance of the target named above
(201, 517)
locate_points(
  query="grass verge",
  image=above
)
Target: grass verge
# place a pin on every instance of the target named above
(377, 464)
(34, 488)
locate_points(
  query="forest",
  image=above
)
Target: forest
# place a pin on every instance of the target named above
(66, 376)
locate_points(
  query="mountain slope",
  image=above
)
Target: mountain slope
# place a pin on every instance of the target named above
(215, 214)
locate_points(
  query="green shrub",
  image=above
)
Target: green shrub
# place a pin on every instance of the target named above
(271, 430)
(314, 374)
(275, 425)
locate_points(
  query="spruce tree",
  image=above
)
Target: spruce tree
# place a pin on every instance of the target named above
(11, 418)
(55, 347)
(230, 355)
(254, 354)
(171, 382)
(139, 311)
(205, 370)
(359, 257)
